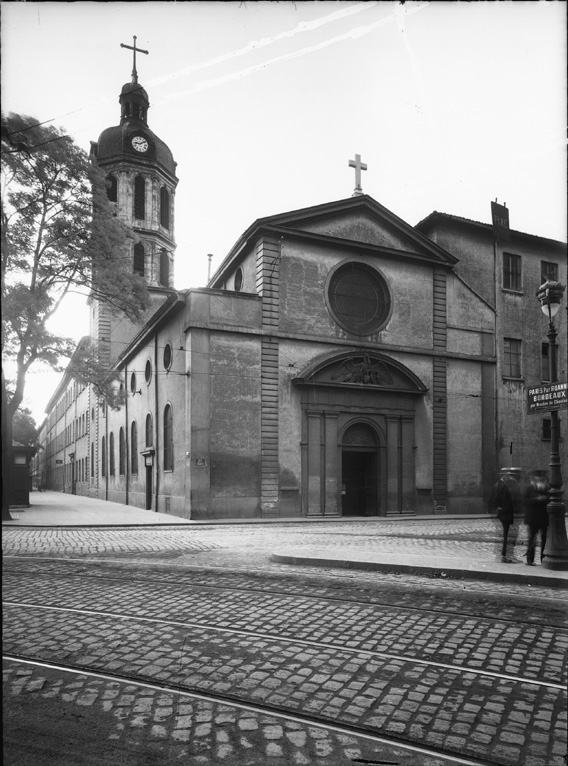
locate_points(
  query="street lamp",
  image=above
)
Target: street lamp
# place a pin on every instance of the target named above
(556, 549)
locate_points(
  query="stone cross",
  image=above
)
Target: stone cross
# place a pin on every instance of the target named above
(359, 166)
(134, 49)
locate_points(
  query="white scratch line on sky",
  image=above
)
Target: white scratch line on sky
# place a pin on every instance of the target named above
(303, 26)
(352, 34)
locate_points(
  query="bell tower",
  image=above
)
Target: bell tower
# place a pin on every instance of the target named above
(141, 183)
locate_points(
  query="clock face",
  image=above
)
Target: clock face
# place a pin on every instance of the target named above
(140, 144)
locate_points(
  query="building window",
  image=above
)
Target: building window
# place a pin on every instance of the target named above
(548, 271)
(139, 198)
(149, 431)
(168, 439)
(133, 382)
(359, 298)
(92, 455)
(112, 188)
(148, 372)
(239, 280)
(139, 259)
(546, 424)
(164, 268)
(511, 358)
(111, 454)
(121, 452)
(165, 207)
(134, 447)
(103, 456)
(512, 272)
(167, 356)
(544, 362)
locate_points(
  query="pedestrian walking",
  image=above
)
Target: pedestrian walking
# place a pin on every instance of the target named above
(504, 502)
(535, 502)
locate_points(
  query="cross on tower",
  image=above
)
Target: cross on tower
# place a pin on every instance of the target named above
(134, 49)
(359, 166)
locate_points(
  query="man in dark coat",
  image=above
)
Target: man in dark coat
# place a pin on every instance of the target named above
(535, 502)
(504, 503)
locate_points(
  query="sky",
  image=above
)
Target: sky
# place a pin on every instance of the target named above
(263, 104)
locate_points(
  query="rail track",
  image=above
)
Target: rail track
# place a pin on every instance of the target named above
(413, 751)
(381, 671)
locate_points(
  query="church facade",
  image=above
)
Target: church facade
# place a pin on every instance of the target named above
(340, 363)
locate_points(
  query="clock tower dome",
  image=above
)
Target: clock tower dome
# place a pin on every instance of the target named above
(141, 183)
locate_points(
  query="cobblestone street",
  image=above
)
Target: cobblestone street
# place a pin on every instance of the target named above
(191, 645)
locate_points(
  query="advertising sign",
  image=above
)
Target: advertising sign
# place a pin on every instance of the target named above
(553, 396)
(500, 219)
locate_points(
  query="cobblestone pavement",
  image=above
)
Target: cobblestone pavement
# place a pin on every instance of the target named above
(143, 726)
(530, 651)
(204, 610)
(249, 547)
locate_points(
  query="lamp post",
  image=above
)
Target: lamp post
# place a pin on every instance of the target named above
(556, 549)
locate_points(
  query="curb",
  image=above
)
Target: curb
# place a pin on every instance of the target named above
(440, 573)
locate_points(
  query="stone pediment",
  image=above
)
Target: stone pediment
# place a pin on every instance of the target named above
(362, 219)
(361, 369)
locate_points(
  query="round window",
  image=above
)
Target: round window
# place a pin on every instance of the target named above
(148, 372)
(359, 298)
(167, 356)
(133, 382)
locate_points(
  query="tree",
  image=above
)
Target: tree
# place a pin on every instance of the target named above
(24, 428)
(59, 235)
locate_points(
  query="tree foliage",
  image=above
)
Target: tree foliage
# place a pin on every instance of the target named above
(24, 428)
(59, 235)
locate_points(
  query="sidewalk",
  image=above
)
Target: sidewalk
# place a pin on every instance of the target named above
(58, 510)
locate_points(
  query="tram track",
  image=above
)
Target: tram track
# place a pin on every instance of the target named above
(272, 636)
(365, 627)
(284, 590)
(346, 688)
(341, 685)
(261, 709)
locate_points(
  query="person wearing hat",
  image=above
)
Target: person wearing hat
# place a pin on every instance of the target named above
(504, 502)
(535, 502)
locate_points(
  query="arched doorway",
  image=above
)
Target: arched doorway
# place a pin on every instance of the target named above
(360, 470)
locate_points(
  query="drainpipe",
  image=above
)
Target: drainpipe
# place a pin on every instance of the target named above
(126, 434)
(107, 450)
(497, 355)
(157, 420)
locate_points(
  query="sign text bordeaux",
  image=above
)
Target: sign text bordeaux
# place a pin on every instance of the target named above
(545, 398)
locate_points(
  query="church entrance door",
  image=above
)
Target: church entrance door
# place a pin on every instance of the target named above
(359, 483)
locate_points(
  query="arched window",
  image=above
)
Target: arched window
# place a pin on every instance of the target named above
(121, 451)
(168, 439)
(167, 356)
(139, 259)
(103, 456)
(134, 447)
(165, 207)
(112, 188)
(149, 431)
(111, 454)
(139, 198)
(164, 268)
